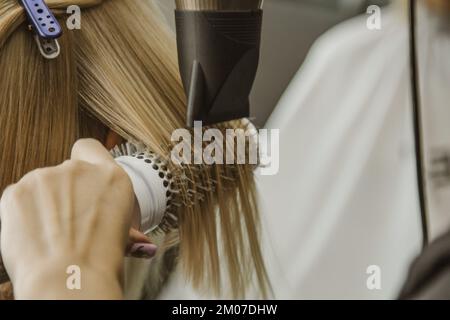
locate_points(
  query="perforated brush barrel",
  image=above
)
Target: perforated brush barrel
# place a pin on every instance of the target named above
(151, 182)
(218, 55)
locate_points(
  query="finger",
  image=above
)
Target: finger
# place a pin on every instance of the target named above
(140, 246)
(91, 151)
(143, 250)
(137, 236)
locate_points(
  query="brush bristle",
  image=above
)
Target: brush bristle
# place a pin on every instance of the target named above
(180, 180)
(203, 5)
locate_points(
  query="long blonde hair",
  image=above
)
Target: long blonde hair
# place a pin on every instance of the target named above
(120, 72)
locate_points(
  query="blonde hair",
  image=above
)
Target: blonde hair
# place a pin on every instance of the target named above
(120, 72)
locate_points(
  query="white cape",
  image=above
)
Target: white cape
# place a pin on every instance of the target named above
(346, 195)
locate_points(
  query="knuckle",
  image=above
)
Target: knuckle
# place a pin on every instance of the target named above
(67, 164)
(82, 143)
(6, 194)
(28, 179)
(40, 179)
(41, 176)
(72, 165)
(75, 167)
(13, 194)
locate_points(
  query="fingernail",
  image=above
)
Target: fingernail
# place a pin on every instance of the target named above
(143, 250)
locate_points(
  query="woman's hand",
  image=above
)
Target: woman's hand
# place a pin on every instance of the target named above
(69, 218)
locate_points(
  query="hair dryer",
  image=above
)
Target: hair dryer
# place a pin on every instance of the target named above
(218, 52)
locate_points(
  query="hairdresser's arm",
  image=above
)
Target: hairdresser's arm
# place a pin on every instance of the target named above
(76, 214)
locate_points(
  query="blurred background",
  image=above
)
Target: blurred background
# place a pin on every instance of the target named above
(344, 201)
(344, 197)
(290, 28)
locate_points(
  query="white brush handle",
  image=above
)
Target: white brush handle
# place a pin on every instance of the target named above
(149, 190)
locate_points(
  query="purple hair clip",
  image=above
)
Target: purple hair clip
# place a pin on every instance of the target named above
(46, 27)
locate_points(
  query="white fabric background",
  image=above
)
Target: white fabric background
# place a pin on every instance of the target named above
(347, 172)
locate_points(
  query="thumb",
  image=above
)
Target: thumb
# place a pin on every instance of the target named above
(92, 151)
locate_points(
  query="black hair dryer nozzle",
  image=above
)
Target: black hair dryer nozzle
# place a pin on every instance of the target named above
(218, 53)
